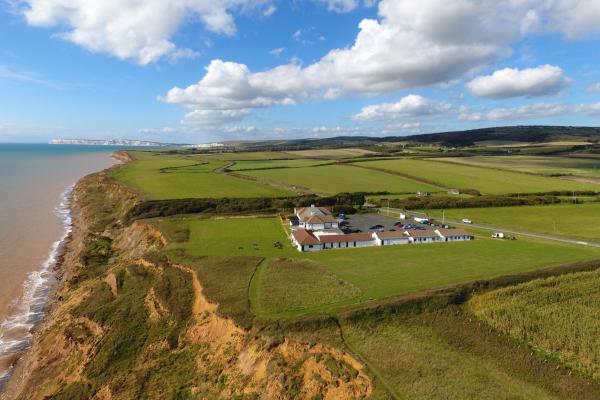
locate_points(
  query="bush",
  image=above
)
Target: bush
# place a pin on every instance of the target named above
(164, 208)
(415, 203)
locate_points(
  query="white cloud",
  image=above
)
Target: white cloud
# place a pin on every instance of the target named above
(595, 88)
(530, 111)
(407, 107)
(512, 82)
(132, 29)
(340, 6)
(277, 52)
(344, 6)
(412, 44)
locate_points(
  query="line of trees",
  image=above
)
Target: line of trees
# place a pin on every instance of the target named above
(164, 208)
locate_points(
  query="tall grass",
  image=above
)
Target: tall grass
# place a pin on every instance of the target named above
(557, 316)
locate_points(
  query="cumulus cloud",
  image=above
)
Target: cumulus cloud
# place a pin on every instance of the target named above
(530, 111)
(411, 44)
(511, 82)
(407, 107)
(132, 29)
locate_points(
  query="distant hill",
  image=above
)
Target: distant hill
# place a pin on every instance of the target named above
(525, 134)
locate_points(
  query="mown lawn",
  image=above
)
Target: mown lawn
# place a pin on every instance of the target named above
(579, 221)
(161, 176)
(486, 180)
(332, 179)
(535, 164)
(558, 316)
(378, 272)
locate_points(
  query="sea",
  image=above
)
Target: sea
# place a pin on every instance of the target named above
(36, 181)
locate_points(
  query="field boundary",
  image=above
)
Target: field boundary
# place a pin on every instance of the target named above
(406, 176)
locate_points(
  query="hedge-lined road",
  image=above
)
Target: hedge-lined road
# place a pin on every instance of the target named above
(503, 229)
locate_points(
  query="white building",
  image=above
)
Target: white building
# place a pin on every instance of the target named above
(304, 240)
(453, 235)
(349, 240)
(389, 238)
(315, 218)
(423, 236)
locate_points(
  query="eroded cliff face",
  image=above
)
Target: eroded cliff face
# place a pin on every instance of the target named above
(127, 323)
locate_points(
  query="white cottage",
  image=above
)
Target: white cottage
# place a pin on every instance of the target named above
(304, 240)
(453, 235)
(423, 236)
(315, 218)
(389, 238)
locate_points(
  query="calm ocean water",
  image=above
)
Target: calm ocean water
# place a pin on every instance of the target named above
(35, 182)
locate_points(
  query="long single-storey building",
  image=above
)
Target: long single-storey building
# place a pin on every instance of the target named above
(391, 237)
(423, 236)
(453, 235)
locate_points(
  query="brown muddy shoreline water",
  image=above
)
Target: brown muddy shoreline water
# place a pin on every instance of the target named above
(35, 184)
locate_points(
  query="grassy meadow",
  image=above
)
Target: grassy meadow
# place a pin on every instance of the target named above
(556, 316)
(579, 221)
(330, 153)
(485, 180)
(159, 176)
(535, 164)
(377, 272)
(332, 179)
(270, 164)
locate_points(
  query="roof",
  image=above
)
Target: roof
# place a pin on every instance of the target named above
(320, 219)
(391, 235)
(351, 237)
(305, 238)
(306, 212)
(453, 232)
(422, 233)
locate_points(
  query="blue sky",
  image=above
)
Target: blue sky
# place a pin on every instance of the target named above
(199, 71)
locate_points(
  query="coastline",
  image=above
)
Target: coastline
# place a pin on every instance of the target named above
(56, 270)
(30, 308)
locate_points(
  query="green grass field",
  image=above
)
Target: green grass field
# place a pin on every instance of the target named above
(266, 164)
(580, 221)
(485, 180)
(378, 272)
(535, 164)
(248, 156)
(332, 179)
(331, 154)
(160, 176)
(557, 316)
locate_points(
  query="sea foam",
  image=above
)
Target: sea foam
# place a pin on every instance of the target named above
(28, 310)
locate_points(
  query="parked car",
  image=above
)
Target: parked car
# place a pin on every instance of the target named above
(498, 235)
(466, 221)
(399, 224)
(375, 227)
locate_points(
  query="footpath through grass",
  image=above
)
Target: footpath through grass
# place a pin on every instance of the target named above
(158, 176)
(578, 221)
(378, 272)
(485, 180)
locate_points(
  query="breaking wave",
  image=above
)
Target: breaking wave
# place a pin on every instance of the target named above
(28, 310)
